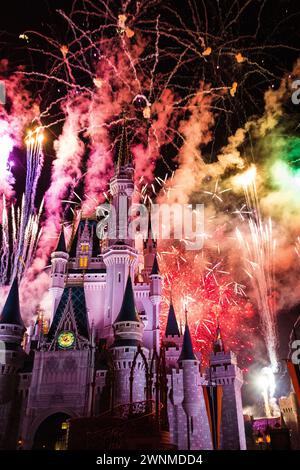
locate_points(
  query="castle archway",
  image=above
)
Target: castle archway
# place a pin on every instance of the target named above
(52, 433)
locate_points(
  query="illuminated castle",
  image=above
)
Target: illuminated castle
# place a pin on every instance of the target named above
(104, 367)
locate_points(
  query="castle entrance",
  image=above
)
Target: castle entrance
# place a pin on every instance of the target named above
(52, 433)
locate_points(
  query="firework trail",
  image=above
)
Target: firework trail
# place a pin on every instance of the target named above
(28, 234)
(259, 251)
(20, 227)
(19, 239)
(6, 147)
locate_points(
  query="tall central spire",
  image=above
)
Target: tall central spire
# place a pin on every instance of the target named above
(218, 345)
(124, 155)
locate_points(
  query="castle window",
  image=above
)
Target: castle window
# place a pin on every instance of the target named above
(119, 277)
(84, 248)
(83, 262)
(126, 349)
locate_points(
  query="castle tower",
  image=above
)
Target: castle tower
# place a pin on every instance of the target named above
(12, 358)
(121, 188)
(59, 262)
(149, 251)
(190, 366)
(290, 412)
(155, 297)
(84, 247)
(120, 257)
(128, 334)
(172, 339)
(224, 371)
(36, 332)
(189, 427)
(86, 267)
(63, 368)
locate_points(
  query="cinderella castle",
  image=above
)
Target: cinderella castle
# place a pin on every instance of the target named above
(103, 375)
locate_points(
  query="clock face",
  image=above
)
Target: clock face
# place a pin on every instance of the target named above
(66, 339)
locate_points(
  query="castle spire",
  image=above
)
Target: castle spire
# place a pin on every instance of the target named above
(61, 246)
(124, 156)
(128, 311)
(218, 345)
(187, 352)
(172, 325)
(155, 267)
(11, 311)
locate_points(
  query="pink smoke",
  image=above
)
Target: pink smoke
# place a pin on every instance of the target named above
(65, 174)
(19, 110)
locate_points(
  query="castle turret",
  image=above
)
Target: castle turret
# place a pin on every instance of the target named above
(155, 297)
(224, 371)
(121, 188)
(190, 366)
(128, 334)
(84, 247)
(59, 262)
(172, 339)
(12, 358)
(120, 257)
(36, 332)
(197, 434)
(218, 345)
(172, 330)
(149, 251)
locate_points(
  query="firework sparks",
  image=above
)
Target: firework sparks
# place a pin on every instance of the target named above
(259, 253)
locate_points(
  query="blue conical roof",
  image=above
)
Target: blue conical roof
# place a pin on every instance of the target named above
(128, 311)
(172, 325)
(155, 267)
(61, 246)
(11, 311)
(187, 352)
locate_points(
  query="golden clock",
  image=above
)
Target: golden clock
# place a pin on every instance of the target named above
(66, 339)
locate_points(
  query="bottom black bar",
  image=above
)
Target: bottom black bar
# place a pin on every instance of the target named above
(123, 459)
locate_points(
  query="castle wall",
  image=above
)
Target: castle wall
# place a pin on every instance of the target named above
(123, 359)
(290, 412)
(61, 382)
(225, 372)
(185, 428)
